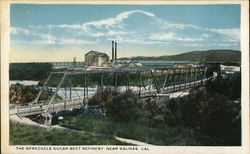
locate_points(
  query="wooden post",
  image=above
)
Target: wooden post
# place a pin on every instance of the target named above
(185, 79)
(101, 82)
(190, 77)
(115, 80)
(168, 80)
(202, 75)
(87, 89)
(65, 89)
(174, 78)
(154, 80)
(70, 91)
(41, 109)
(84, 89)
(195, 70)
(162, 75)
(17, 108)
(128, 81)
(182, 76)
(179, 78)
(139, 84)
(165, 81)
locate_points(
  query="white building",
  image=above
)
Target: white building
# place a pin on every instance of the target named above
(95, 58)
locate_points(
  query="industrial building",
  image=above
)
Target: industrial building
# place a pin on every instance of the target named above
(99, 59)
(95, 58)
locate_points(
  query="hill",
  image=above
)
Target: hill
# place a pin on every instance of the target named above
(225, 56)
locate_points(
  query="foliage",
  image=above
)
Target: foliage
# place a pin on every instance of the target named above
(123, 107)
(32, 135)
(104, 96)
(120, 106)
(29, 71)
(211, 110)
(20, 94)
(233, 84)
(158, 112)
(137, 129)
(214, 115)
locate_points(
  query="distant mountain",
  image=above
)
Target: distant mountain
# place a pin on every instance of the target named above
(225, 56)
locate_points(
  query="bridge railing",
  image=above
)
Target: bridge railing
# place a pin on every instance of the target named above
(174, 87)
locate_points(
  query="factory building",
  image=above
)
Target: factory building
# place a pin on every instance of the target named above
(95, 58)
(99, 59)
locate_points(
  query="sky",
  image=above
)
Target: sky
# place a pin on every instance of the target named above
(48, 33)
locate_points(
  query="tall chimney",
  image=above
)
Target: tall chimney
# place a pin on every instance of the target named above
(112, 50)
(115, 50)
(74, 62)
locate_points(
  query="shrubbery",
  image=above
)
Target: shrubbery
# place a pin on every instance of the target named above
(230, 86)
(20, 94)
(214, 115)
(210, 110)
(29, 71)
(120, 106)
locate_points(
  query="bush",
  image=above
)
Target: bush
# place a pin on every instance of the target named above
(211, 110)
(20, 94)
(158, 112)
(119, 106)
(214, 115)
(229, 86)
(103, 97)
(123, 107)
(29, 71)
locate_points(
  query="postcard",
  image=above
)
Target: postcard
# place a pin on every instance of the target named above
(125, 77)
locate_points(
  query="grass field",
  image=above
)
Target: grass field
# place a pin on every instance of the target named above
(137, 130)
(31, 135)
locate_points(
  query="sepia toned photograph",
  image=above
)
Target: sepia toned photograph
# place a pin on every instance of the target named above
(125, 76)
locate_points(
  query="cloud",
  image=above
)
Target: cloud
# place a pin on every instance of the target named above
(160, 36)
(113, 21)
(77, 26)
(192, 45)
(17, 30)
(112, 33)
(190, 39)
(232, 33)
(134, 27)
(55, 42)
(74, 42)
(182, 26)
(105, 22)
(24, 31)
(173, 37)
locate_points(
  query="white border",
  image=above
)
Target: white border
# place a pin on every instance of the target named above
(5, 46)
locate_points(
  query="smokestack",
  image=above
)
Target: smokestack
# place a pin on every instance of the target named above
(112, 50)
(115, 50)
(74, 62)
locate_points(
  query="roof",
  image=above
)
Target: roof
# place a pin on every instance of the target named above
(101, 54)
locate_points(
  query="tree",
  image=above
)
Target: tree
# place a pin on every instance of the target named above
(120, 106)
